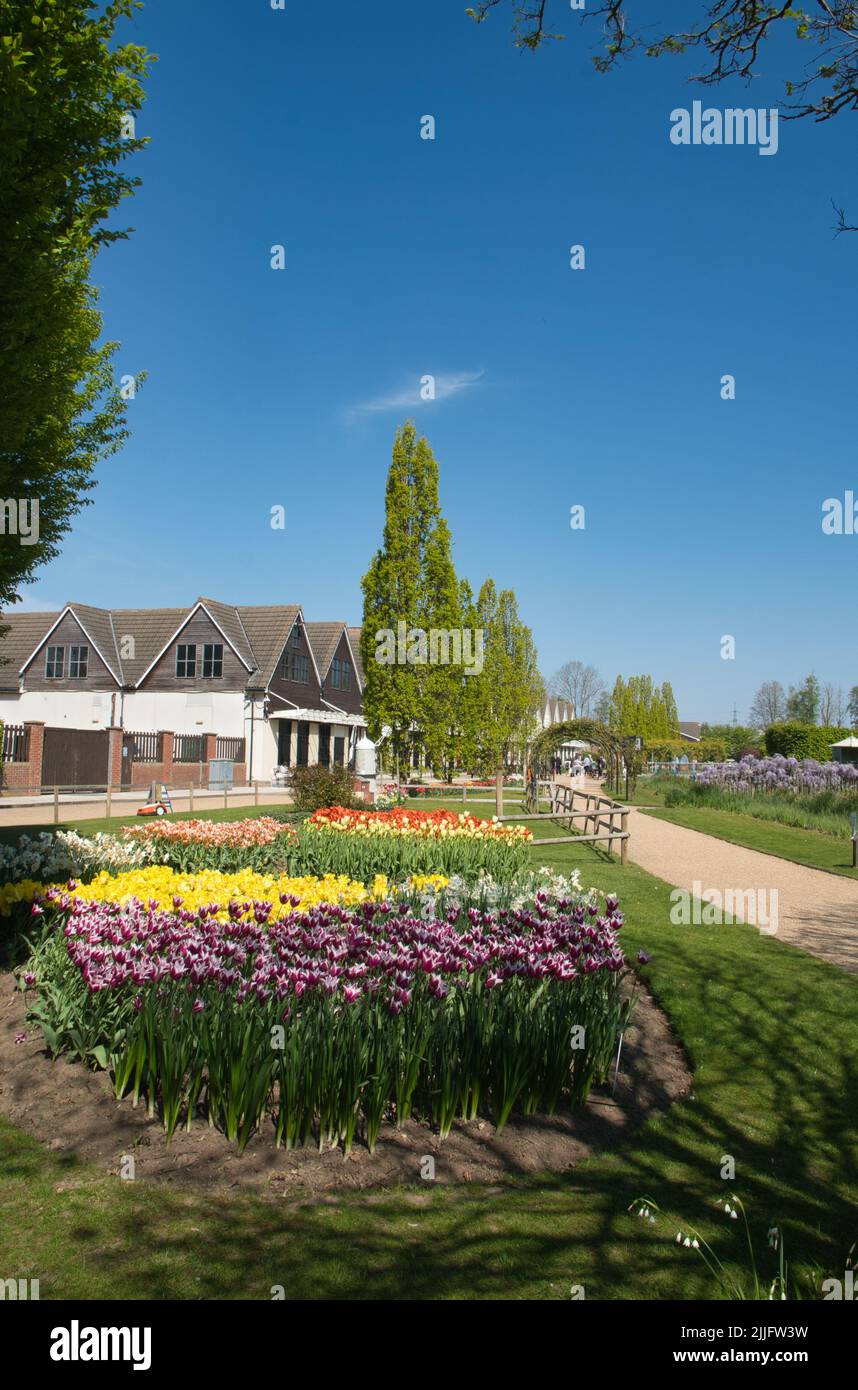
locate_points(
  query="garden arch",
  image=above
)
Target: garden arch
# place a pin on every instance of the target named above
(612, 745)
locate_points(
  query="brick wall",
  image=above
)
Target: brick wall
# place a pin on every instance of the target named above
(176, 775)
(27, 774)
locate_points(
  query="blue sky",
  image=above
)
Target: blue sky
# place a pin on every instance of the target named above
(407, 257)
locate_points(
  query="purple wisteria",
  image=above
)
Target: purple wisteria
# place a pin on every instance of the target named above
(779, 774)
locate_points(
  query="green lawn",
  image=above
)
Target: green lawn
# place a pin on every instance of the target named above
(770, 1033)
(785, 841)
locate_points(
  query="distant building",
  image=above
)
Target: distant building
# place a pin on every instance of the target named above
(689, 730)
(258, 686)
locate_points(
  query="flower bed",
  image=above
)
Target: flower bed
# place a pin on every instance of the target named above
(260, 842)
(209, 891)
(330, 1019)
(64, 853)
(402, 841)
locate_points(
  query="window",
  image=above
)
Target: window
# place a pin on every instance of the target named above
(78, 661)
(296, 636)
(284, 743)
(341, 674)
(186, 660)
(55, 663)
(212, 660)
(295, 667)
(324, 745)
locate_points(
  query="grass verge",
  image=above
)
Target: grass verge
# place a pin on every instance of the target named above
(770, 1035)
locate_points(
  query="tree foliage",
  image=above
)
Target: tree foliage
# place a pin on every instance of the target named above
(729, 34)
(66, 98)
(803, 701)
(638, 706)
(464, 713)
(510, 688)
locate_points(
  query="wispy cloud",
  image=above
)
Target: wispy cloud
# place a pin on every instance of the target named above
(417, 392)
(33, 603)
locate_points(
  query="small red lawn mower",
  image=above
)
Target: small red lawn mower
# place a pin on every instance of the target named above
(159, 802)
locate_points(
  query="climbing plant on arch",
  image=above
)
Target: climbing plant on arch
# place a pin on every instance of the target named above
(613, 746)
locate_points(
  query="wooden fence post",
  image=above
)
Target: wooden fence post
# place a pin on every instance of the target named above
(191, 798)
(56, 805)
(624, 843)
(499, 793)
(256, 793)
(108, 801)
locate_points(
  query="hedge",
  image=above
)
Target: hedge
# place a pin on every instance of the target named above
(708, 750)
(794, 740)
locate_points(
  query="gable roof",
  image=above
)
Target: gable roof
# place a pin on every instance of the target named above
(131, 640)
(145, 633)
(94, 624)
(267, 631)
(26, 633)
(324, 638)
(354, 642)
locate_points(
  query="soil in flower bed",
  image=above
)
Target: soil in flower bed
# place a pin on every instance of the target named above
(72, 1111)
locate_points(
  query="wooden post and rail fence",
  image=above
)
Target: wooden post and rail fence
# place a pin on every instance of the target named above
(608, 819)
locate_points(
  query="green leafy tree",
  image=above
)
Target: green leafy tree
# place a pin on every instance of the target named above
(638, 706)
(802, 704)
(511, 690)
(469, 716)
(443, 683)
(68, 98)
(398, 590)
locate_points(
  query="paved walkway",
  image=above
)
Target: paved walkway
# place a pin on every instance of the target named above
(817, 911)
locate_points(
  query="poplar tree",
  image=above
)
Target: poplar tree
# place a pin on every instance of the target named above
(511, 690)
(411, 580)
(640, 707)
(442, 685)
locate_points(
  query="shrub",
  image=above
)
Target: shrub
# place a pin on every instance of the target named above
(708, 750)
(316, 787)
(795, 740)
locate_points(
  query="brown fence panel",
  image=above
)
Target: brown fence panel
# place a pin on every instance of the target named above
(75, 758)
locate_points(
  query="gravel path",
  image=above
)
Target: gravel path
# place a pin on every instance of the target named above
(815, 910)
